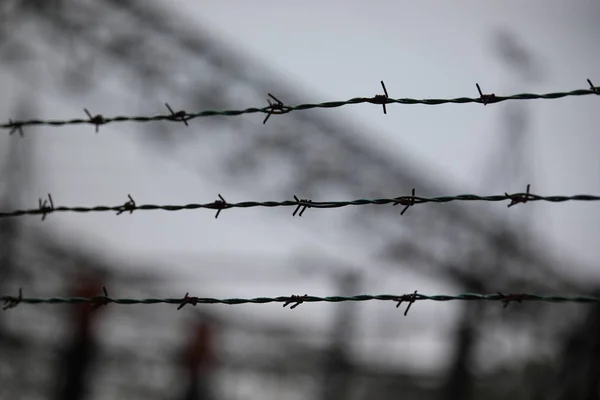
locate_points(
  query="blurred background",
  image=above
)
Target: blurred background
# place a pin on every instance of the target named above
(118, 57)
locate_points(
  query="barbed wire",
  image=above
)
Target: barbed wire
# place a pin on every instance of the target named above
(47, 206)
(295, 300)
(278, 108)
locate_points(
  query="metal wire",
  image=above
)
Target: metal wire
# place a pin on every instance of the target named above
(294, 300)
(280, 108)
(47, 206)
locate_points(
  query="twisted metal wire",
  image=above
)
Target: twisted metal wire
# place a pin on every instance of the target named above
(294, 300)
(47, 207)
(280, 108)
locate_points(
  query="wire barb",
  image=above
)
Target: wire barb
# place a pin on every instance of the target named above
(128, 206)
(12, 302)
(406, 202)
(275, 108)
(295, 300)
(519, 197)
(301, 207)
(485, 98)
(46, 206)
(382, 99)
(593, 88)
(220, 205)
(96, 119)
(187, 300)
(15, 127)
(101, 301)
(507, 298)
(411, 298)
(177, 116)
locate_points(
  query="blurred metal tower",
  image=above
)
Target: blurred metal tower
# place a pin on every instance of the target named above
(315, 154)
(508, 168)
(512, 165)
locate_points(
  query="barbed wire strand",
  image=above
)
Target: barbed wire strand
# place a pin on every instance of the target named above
(46, 207)
(295, 300)
(278, 107)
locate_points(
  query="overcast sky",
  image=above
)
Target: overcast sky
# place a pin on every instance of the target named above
(339, 50)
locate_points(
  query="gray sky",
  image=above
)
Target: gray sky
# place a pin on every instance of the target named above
(334, 51)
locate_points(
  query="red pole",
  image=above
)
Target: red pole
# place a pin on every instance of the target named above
(81, 349)
(199, 360)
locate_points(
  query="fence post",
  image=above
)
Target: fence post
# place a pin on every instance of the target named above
(81, 348)
(198, 360)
